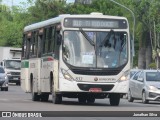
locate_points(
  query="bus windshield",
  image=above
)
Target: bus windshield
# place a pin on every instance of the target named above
(108, 51)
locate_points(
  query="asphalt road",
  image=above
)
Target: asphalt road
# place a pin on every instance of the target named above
(17, 100)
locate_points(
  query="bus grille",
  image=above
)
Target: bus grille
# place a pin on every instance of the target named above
(95, 72)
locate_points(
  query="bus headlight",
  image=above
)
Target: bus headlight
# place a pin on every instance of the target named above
(66, 75)
(123, 78)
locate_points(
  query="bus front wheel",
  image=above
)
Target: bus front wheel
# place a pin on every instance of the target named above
(114, 99)
(90, 99)
(56, 98)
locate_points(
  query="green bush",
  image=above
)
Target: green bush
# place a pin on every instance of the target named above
(152, 66)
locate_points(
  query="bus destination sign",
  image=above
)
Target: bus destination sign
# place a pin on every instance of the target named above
(95, 23)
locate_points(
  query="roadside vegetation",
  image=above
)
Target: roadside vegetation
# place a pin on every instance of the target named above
(147, 28)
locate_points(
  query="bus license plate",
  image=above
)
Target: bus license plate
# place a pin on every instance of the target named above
(95, 90)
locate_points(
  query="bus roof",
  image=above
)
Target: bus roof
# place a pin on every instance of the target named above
(60, 17)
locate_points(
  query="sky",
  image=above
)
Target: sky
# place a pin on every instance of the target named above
(17, 2)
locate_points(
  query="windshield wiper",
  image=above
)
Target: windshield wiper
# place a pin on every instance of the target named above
(105, 42)
(86, 36)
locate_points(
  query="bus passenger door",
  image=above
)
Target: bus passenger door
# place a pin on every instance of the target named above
(58, 39)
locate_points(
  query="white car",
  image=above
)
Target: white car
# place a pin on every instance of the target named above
(145, 85)
(3, 80)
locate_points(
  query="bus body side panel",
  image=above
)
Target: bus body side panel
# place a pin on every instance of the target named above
(46, 69)
(56, 76)
(25, 83)
(33, 72)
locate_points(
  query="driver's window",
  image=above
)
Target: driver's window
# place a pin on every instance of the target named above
(136, 76)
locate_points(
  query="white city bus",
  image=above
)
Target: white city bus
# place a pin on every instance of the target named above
(77, 56)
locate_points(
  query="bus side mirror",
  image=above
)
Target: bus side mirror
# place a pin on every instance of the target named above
(1, 63)
(59, 39)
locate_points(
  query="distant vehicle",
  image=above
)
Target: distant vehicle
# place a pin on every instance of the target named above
(12, 68)
(145, 85)
(10, 60)
(3, 80)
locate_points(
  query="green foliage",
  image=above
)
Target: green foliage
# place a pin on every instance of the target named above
(13, 22)
(152, 66)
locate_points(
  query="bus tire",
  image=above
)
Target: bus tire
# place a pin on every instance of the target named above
(90, 99)
(114, 99)
(6, 89)
(56, 98)
(44, 97)
(2, 89)
(82, 99)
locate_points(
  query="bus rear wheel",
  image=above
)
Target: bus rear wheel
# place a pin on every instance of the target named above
(35, 96)
(44, 97)
(114, 99)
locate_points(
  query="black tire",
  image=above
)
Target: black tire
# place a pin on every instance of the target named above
(82, 99)
(90, 99)
(44, 97)
(6, 89)
(35, 96)
(144, 100)
(18, 83)
(114, 99)
(56, 98)
(2, 89)
(130, 98)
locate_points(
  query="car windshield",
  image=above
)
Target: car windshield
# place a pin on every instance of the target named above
(1, 70)
(96, 49)
(132, 73)
(153, 76)
(13, 64)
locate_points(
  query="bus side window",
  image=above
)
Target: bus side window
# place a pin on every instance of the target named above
(56, 48)
(44, 41)
(53, 39)
(49, 36)
(39, 48)
(28, 47)
(33, 44)
(24, 45)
